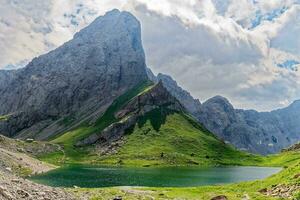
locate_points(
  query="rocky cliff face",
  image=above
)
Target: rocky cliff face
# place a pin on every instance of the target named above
(6, 76)
(155, 98)
(76, 80)
(257, 132)
(192, 105)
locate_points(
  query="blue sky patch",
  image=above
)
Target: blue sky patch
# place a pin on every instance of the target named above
(289, 64)
(259, 17)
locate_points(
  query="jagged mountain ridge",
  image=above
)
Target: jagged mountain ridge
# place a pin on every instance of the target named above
(192, 105)
(151, 128)
(80, 79)
(258, 132)
(154, 98)
(76, 80)
(249, 130)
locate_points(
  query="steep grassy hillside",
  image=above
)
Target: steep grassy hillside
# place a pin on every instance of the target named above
(163, 137)
(69, 139)
(160, 137)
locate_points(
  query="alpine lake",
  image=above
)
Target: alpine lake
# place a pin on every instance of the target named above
(87, 176)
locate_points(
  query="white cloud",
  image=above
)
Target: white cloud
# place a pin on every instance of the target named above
(287, 37)
(227, 47)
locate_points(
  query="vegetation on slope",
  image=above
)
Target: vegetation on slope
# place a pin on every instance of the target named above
(4, 117)
(69, 139)
(163, 137)
(167, 138)
(183, 141)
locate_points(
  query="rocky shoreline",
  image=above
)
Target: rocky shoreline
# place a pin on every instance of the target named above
(14, 163)
(16, 188)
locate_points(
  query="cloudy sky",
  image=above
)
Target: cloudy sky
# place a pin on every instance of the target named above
(245, 50)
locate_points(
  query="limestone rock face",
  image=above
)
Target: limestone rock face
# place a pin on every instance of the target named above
(154, 98)
(6, 76)
(192, 105)
(77, 79)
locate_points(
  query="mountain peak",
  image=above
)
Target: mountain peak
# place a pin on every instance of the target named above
(219, 100)
(167, 78)
(113, 23)
(79, 78)
(191, 104)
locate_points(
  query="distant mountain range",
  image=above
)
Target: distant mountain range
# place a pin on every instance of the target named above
(78, 82)
(249, 130)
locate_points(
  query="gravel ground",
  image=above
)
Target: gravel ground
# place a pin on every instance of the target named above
(15, 188)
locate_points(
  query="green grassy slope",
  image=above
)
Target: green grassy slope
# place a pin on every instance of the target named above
(159, 138)
(4, 117)
(284, 159)
(68, 139)
(162, 137)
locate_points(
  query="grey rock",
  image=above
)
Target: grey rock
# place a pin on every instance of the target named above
(249, 130)
(6, 76)
(151, 76)
(192, 105)
(256, 132)
(110, 134)
(156, 97)
(295, 147)
(100, 63)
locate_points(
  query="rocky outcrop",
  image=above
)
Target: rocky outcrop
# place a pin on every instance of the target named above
(151, 76)
(221, 197)
(15, 188)
(295, 147)
(154, 98)
(112, 133)
(19, 157)
(77, 80)
(192, 105)
(17, 160)
(283, 191)
(29, 147)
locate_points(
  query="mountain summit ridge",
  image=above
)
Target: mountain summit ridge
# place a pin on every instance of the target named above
(248, 130)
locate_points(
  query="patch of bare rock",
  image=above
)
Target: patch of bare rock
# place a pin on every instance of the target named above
(282, 191)
(220, 197)
(15, 188)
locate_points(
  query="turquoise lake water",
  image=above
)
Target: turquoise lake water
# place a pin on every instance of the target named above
(94, 177)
